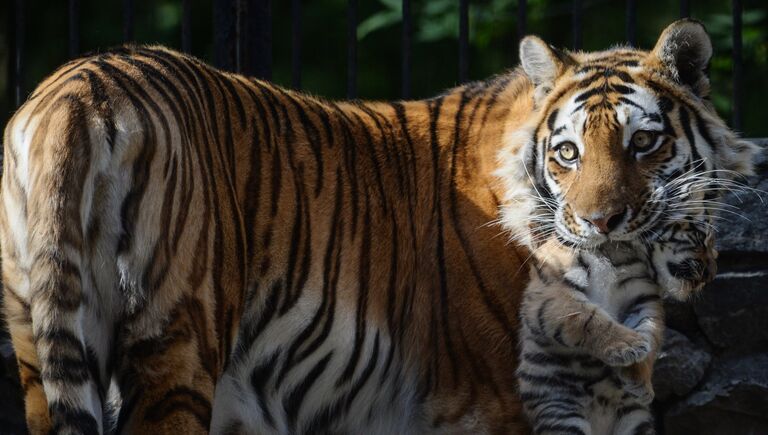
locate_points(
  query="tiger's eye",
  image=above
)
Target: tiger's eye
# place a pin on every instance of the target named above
(568, 151)
(643, 140)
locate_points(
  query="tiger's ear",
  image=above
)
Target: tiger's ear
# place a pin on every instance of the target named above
(542, 63)
(684, 50)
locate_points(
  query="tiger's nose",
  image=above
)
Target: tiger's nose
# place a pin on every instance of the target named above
(607, 222)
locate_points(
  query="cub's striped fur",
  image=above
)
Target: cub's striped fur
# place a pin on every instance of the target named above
(592, 324)
(190, 251)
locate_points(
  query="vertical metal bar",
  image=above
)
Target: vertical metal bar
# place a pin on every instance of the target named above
(16, 68)
(127, 20)
(685, 8)
(632, 22)
(74, 28)
(255, 38)
(352, 49)
(738, 67)
(463, 40)
(186, 26)
(296, 44)
(522, 10)
(406, 51)
(522, 6)
(576, 24)
(225, 34)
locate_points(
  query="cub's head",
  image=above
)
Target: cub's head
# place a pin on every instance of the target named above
(622, 143)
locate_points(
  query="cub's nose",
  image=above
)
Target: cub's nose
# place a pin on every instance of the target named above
(607, 222)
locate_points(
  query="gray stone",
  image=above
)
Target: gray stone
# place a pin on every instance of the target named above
(679, 366)
(733, 311)
(681, 317)
(749, 233)
(733, 399)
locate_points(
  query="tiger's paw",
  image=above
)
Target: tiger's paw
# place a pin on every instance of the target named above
(688, 276)
(686, 265)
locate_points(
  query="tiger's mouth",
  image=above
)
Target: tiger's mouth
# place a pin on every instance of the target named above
(627, 231)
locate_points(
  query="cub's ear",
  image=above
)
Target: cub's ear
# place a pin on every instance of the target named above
(684, 50)
(542, 63)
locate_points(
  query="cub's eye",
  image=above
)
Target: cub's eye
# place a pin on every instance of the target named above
(568, 151)
(643, 140)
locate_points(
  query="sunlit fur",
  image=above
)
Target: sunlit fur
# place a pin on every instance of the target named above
(204, 251)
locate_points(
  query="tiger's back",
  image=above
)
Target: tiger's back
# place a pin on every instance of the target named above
(236, 257)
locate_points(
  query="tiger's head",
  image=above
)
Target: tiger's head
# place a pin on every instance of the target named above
(622, 143)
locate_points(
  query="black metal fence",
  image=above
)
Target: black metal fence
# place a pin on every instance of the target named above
(243, 32)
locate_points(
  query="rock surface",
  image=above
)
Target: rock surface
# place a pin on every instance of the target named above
(679, 367)
(733, 310)
(733, 399)
(750, 232)
(728, 322)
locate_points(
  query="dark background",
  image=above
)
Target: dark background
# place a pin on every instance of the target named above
(493, 36)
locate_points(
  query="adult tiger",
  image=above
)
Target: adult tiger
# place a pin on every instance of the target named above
(202, 251)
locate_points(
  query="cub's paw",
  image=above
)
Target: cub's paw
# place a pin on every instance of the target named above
(636, 382)
(686, 262)
(623, 349)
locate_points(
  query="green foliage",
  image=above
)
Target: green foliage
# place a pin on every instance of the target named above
(754, 50)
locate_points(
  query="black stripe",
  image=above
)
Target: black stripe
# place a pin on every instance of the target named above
(364, 283)
(294, 398)
(365, 375)
(180, 399)
(65, 419)
(327, 306)
(260, 376)
(558, 428)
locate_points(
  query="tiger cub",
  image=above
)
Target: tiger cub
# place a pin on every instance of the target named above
(592, 322)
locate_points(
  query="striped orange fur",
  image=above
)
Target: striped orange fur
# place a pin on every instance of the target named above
(173, 228)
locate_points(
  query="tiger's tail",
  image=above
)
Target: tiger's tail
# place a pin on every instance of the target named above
(54, 316)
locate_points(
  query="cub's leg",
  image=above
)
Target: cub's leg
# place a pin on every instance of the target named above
(167, 373)
(553, 415)
(563, 314)
(645, 315)
(637, 379)
(634, 419)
